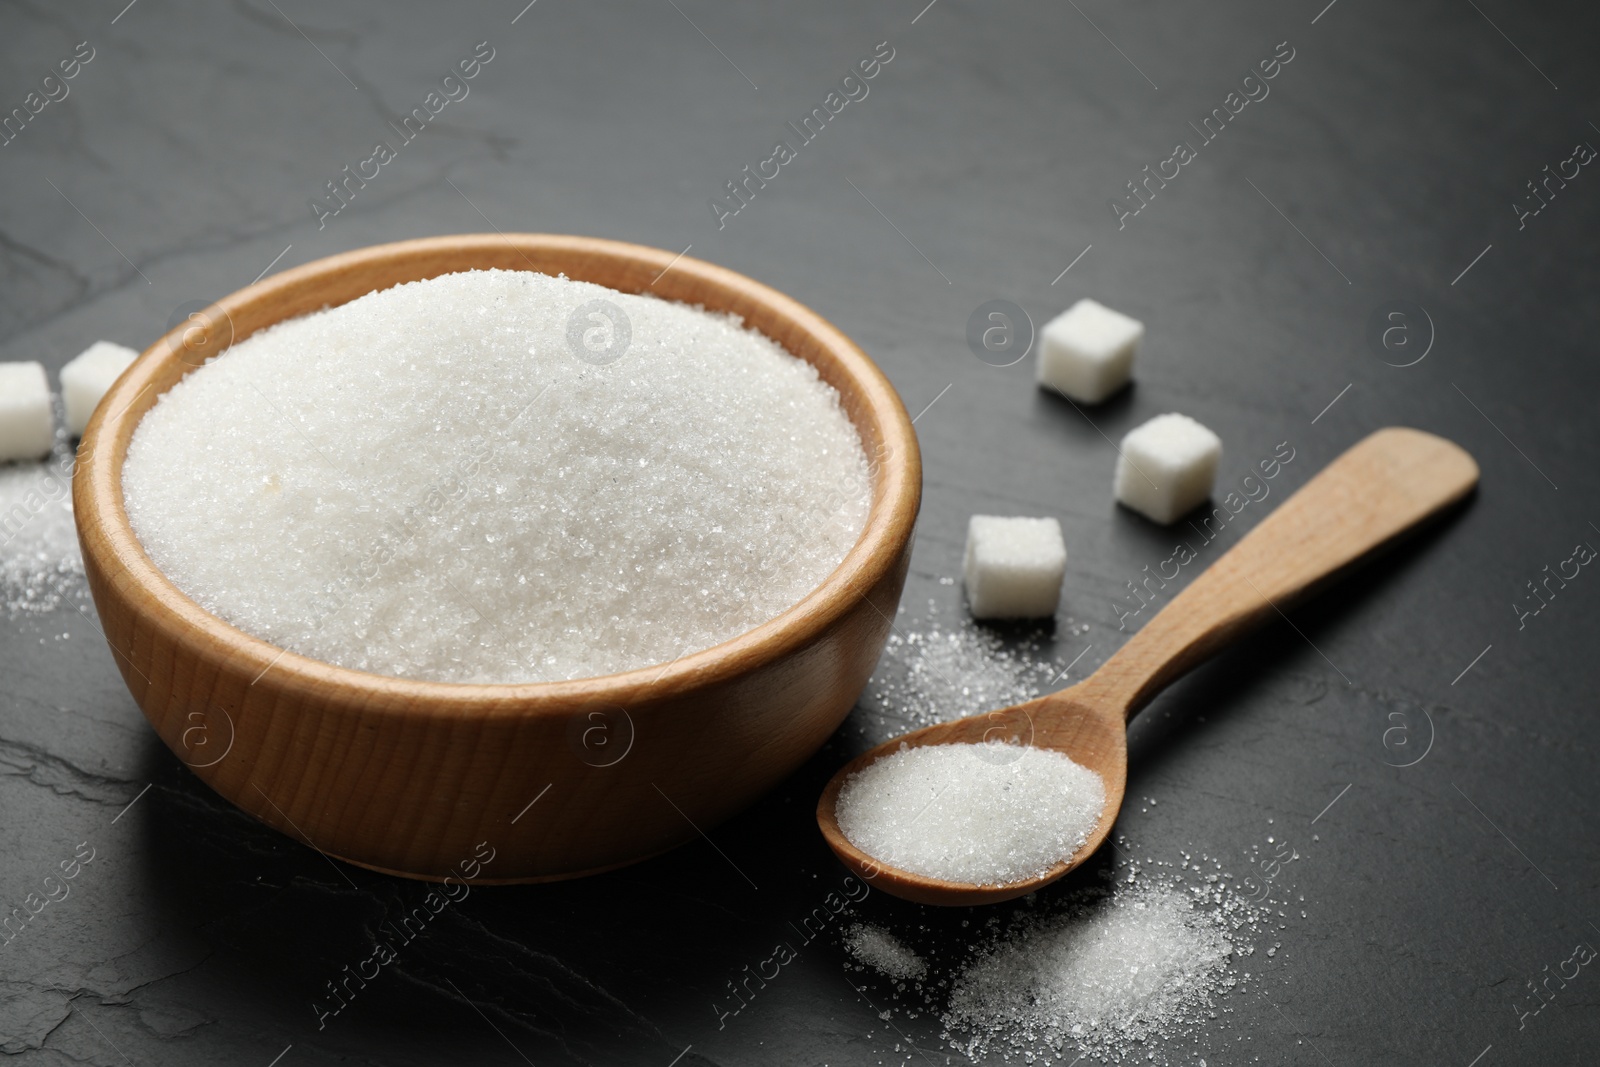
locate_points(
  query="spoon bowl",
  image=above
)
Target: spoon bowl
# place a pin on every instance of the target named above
(1386, 485)
(1093, 735)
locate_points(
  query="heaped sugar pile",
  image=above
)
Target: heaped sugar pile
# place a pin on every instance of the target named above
(877, 948)
(40, 565)
(986, 814)
(431, 482)
(1108, 975)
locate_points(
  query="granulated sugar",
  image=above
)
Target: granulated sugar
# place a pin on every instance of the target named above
(1145, 964)
(938, 675)
(987, 814)
(40, 564)
(433, 482)
(1109, 974)
(875, 947)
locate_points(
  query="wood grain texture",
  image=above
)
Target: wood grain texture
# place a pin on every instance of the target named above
(1387, 484)
(409, 777)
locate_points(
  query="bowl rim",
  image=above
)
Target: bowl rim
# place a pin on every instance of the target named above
(106, 532)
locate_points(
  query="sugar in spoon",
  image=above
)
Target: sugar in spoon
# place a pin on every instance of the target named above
(1385, 486)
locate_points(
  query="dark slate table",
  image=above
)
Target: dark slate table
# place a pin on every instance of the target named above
(1385, 170)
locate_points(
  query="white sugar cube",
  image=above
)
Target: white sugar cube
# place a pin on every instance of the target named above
(87, 378)
(1087, 351)
(27, 427)
(1014, 567)
(1167, 467)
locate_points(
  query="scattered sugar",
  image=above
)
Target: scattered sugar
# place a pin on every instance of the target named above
(932, 676)
(40, 564)
(430, 482)
(987, 814)
(1112, 972)
(1023, 982)
(875, 947)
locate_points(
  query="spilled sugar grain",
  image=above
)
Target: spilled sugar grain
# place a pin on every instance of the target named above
(1109, 976)
(430, 482)
(940, 674)
(1142, 967)
(875, 947)
(40, 564)
(986, 814)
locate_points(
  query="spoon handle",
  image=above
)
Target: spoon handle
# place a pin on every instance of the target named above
(1380, 488)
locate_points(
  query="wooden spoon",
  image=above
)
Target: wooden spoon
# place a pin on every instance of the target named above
(1381, 488)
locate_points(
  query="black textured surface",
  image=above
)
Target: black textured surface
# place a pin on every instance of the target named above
(1387, 157)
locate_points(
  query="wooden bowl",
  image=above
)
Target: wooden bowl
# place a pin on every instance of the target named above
(553, 780)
